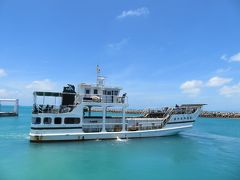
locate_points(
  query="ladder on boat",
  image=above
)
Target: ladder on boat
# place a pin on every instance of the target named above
(167, 116)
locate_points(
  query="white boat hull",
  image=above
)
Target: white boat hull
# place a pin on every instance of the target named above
(35, 137)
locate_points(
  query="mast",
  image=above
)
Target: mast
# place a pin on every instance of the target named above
(98, 71)
(100, 79)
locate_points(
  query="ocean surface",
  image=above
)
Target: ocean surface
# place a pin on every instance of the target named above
(210, 150)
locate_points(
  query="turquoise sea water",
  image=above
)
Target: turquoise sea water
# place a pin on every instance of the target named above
(211, 150)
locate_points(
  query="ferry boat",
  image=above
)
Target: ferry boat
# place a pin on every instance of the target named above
(89, 113)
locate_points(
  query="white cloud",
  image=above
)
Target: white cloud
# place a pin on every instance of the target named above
(2, 72)
(43, 85)
(233, 58)
(119, 45)
(9, 93)
(224, 57)
(218, 81)
(3, 93)
(136, 12)
(192, 87)
(223, 70)
(230, 90)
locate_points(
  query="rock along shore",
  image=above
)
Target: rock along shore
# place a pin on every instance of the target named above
(207, 114)
(211, 114)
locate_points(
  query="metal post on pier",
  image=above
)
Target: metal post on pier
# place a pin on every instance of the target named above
(123, 119)
(104, 119)
(16, 107)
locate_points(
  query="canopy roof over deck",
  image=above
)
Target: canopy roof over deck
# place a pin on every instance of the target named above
(192, 105)
(54, 94)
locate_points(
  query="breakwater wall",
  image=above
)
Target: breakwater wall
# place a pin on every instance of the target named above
(211, 114)
(207, 114)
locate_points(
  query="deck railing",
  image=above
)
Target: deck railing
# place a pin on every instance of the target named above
(175, 110)
(101, 98)
(53, 109)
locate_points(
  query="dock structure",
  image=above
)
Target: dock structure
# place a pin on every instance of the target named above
(9, 107)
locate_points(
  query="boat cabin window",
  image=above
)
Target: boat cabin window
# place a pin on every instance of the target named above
(95, 91)
(115, 93)
(47, 120)
(36, 120)
(105, 92)
(58, 120)
(71, 120)
(87, 91)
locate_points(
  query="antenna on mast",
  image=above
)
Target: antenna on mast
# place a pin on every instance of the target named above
(98, 71)
(100, 79)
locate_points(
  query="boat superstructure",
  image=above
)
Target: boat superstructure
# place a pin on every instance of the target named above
(86, 113)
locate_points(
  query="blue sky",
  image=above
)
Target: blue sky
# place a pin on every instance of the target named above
(160, 52)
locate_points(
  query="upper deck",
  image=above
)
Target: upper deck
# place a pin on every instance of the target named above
(100, 93)
(88, 94)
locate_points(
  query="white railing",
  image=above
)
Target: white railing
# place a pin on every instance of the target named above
(101, 98)
(180, 110)
(100, 120)
(98, 127)
(53, 109)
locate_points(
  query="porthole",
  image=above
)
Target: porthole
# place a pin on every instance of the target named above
(47, 120)
(36, 120)
(58, 120)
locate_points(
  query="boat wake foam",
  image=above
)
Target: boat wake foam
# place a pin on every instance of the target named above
(14, 136)
(206, 135)
(121, 140)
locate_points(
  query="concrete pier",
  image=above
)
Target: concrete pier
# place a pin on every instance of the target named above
(14, 105)
(7, 114)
